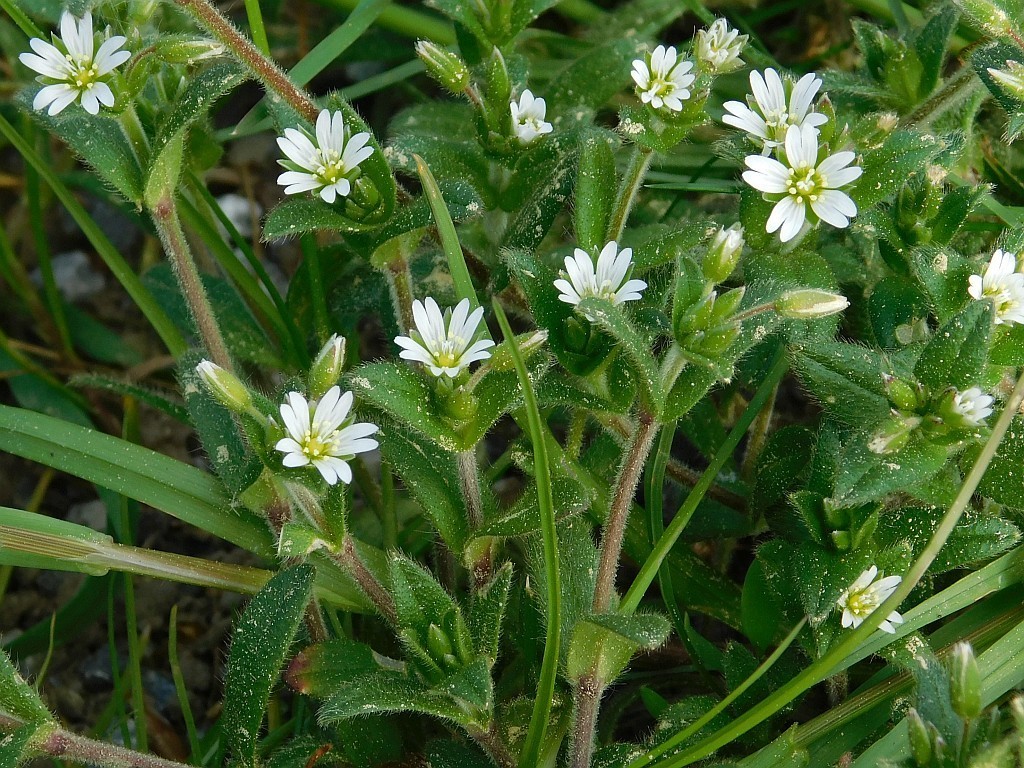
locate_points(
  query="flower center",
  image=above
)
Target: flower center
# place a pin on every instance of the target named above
(449, 352)
(805, 182)
(662, 86)
(84, 73)
(316, 446)
(861, 603)
(332, 170)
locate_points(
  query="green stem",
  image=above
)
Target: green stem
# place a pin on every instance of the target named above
(54, 301)
(317, 296)
(628, 190)
(21, 19)
(168, 226)
(283, 311)
(827, 664)
(256, 26)
(649, 570)
(758, 436)
(161, 323)
(404, 20)
(180, 688)
(953, 92)
(721, 706)
(263, 68)
(618, 512)
(654, 496)
(529, 756)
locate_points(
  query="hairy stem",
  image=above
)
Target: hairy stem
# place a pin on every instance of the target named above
(491, 742)
(400, 282)
(587, 703)
(629, 189)
(618, 513)
(649, 570)
(349, 559)
(263, 68)
(469, 482)
(59, 743)
(168, 226)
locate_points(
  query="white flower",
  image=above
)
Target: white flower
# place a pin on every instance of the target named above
(720, 47)
(71, 68)
(802, 181)
(318, 434)
(528, 117)
(663, 79)
(327, 166)
(444, 350)
(608, 281)
(862, 597)
(1003, 285)
(973, 405)
(768, 114)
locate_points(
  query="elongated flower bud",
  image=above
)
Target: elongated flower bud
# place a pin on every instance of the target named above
(444, 66)
(326, 369)
(225, 387)
(810, 304)
(965, 682)
(724, 253)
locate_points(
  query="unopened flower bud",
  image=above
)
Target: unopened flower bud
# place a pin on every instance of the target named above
(920, 739)
(528, 344)
(326, 369)
(438, 642)
(993, 20)
(894, 435)
(965, 682)
(444, 66)
(178, 50)
(906, 396)
(718, 47)
(1010, 79)
(225, 387)
(724, 253)
(810, 304)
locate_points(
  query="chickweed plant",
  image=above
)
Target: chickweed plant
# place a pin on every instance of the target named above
(602, 391)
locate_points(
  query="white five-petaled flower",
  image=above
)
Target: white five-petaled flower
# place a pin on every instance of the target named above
(528, 117)
(444, 342)
(719, 47)
(802, 182)
(608, 281)
(317, 434)
(973, 405)
(1003, 285)
(663, 79)
(71, 68)
(862, 597)
(326, 167)
(768, 113)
